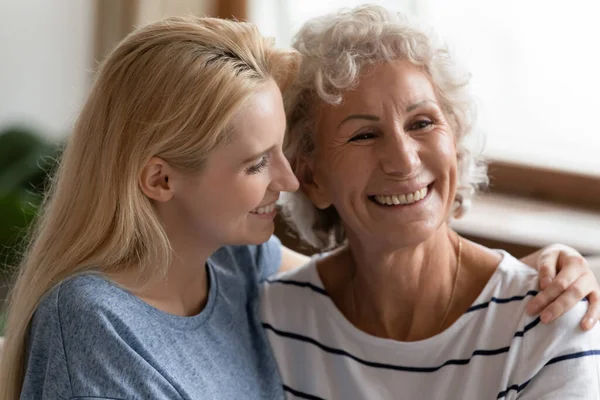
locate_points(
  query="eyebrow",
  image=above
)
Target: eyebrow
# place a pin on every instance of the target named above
(370, 117)
(359, 116)
(257, 155)
(419, 104)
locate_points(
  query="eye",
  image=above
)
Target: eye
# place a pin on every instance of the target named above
(421, 124)
(362, 136)
(258, 167)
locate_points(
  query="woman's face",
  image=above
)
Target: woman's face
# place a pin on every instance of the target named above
(232, 201)
(385, 158)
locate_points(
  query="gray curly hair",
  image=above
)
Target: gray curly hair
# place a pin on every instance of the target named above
(335, 48)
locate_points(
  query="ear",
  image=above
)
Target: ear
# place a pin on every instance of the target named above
(154, 180)
(311, 184)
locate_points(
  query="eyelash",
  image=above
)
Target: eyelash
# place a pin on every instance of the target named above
(362, 136)
(257, 168)
(370, 135)
(421, 121)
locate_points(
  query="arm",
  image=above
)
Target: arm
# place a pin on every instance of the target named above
(560, 293)
(85, 340)
(291, 260)
(559, 361)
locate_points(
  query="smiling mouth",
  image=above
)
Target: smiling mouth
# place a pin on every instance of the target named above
(401, 199)
(269, 208)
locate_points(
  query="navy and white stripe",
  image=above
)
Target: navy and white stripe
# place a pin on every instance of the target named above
(495, 350)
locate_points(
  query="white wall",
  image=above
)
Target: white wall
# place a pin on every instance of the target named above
(281, 19)
(535, 69)
(46, 57)
(46, 53)
(153, 10)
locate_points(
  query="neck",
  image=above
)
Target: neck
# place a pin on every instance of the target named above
(183, 290)
(401, 294)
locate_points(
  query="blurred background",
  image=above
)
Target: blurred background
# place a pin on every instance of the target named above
(535, 66)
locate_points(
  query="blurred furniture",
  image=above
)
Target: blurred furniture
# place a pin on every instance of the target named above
(516, 224)
(521, 225)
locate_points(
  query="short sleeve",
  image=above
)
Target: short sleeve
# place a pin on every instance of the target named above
(83, 338)
(561, 361)
(268, 257)
(46, 373)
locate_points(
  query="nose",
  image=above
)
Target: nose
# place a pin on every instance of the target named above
(283, 178)
(400, 154)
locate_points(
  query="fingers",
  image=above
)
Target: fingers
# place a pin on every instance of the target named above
(546, 272)
(567, 300)
(561, 292)
(591, 316)
(547, 263)
(559, 285)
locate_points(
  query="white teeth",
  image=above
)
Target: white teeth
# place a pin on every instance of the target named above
(264, 210)
(401, 198)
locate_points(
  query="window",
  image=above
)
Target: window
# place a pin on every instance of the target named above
(535, 67)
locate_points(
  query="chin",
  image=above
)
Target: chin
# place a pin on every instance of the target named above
(254, 236)
(264, 235)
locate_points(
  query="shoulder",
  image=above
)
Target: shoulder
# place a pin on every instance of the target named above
(255, 261)
(519, 282)
(66, 326)
(83, 311)
(557, 360)
(303, 276)
(82, 295)
(544, 351)
(89, 310)
(86, 333)
(514, 277)
(292, 292)
(503, 301)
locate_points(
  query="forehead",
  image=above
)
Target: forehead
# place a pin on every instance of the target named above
(395, 83)
(261, 117)
(258, 126)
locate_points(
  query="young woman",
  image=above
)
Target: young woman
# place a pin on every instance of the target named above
(141, 279)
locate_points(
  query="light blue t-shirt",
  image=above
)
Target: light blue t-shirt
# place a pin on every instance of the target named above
(90, 339)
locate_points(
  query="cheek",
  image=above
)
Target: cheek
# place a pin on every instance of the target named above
(233, 197)
(348, 180)
(442, 158)
(250, 192)
(446, 145)
(448, 165)
(331, 174)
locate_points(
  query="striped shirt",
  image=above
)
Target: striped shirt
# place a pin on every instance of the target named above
(494, 351)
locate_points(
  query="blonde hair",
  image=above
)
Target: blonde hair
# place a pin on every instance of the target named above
(335, 49)
(169, 89)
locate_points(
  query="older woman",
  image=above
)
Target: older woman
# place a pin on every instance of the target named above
(403, 307)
